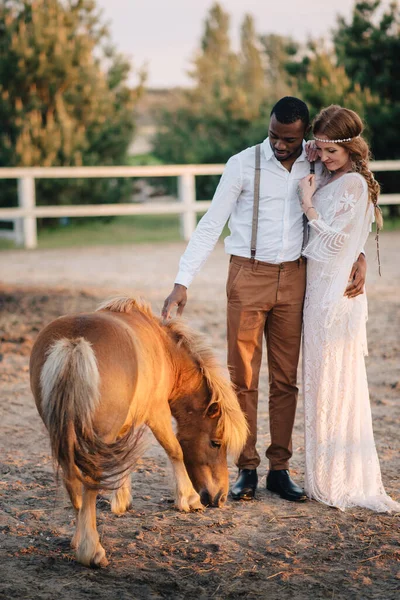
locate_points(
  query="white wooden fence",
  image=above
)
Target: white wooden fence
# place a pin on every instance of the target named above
(24, 217)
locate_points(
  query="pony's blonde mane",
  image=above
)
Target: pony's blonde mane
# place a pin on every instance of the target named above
(232, 425)
(127, 305)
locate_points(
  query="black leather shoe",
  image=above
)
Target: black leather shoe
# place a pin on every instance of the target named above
(245, 485)
(279, 482)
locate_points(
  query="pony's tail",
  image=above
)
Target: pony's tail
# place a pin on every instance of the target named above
(70, 385)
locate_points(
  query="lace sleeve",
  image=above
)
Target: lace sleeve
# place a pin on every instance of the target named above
(328, 239)
(335, 242)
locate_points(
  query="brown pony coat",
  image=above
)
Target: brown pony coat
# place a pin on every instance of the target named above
(98, 377)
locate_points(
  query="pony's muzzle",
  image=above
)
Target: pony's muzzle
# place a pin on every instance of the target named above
(218, 500)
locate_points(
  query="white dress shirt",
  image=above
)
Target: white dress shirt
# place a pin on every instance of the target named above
(280, 222)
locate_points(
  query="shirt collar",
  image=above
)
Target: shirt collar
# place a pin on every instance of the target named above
(266, 148)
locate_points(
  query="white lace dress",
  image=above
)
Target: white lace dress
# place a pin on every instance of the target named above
(342, 467)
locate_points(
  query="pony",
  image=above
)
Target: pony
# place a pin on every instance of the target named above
(99, 378)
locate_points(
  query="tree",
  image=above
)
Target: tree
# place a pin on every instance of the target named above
(64, 97)
(320, 81)
(226, 109)
(252, 77)
(216, 67)
(369, 48)
(279, 51)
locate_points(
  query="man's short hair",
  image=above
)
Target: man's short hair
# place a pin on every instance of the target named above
(290, 109)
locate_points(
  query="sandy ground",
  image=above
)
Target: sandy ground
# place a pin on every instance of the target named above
(268, 548)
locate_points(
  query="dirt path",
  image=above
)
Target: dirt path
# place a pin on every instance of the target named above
(265, 549)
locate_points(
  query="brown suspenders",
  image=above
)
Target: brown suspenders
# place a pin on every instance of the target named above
(256, 203)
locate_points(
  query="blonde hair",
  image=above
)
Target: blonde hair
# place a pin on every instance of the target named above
(337, 122)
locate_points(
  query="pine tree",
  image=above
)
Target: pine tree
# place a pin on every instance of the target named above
(215, 67)
(64, 97)
(369, 48)
(252, 81)
(321, 81)
(225, 110)
(279, 52)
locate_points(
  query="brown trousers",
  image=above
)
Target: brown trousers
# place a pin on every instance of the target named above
(266, 299)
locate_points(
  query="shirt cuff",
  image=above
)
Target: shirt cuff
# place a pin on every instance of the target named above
(184, 278)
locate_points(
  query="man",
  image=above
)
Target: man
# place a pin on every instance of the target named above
(266, 284)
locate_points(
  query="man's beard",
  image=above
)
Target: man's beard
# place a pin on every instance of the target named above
(294, 153)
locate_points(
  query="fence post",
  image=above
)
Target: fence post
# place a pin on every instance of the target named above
(187, 195)
(26, 200)
(19, 232)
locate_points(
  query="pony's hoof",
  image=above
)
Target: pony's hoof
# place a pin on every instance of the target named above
(192, 503)
(120, 509)
(96, 560)
(121, 502)
(99, 560)
(99, 565)
(183, 505)
(196, 505)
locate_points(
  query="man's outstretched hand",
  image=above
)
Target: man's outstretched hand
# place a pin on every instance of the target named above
(357, 278)
(178, 298)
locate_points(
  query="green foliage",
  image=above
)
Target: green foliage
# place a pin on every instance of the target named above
(64, 97)
(140, 160)
(278, 53)
(369, 49)
(252, 80)
(321, 81)
(129, 229)
(225, 111)
(228, 107)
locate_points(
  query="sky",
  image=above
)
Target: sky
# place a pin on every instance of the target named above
(165, 34)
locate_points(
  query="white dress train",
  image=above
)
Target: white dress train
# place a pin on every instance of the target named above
(342, 467)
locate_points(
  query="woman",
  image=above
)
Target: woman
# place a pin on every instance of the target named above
(342, 467)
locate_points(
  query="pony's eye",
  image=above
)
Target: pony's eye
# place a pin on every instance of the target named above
(215, 444)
